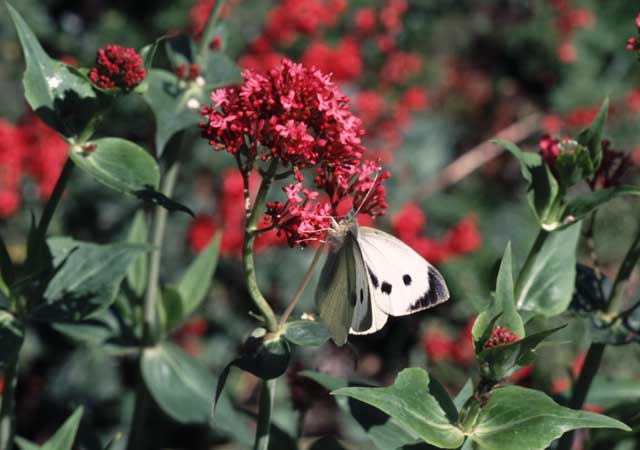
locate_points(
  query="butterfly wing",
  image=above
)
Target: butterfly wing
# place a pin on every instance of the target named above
(400, 280)
(341, 288)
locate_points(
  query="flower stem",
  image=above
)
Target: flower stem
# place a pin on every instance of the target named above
(251, 228)
(56, 195)
(582, 385)
(267, 396)
(7, 416)
(137, 439)
(209, 28)
(305, 280)
(523, 283)
(617, 291)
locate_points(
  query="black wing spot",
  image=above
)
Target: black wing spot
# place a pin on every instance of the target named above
(374, 279)
(406, 279)
(361, 295)
(386, 288)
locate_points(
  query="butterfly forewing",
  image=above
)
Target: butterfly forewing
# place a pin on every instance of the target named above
(400, 280)
(340, 288)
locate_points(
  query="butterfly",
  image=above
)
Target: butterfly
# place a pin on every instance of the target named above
(370, 275)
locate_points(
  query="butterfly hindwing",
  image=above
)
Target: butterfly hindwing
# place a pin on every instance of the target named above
(400, 280)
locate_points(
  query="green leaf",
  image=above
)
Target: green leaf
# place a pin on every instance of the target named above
(65, 436)
(526, 419)
(196, 281)
(410, 402)
(327, 443)
(547, 287)
(61, 98)
(118, 164)
(175, 104)
(543, 191)
(497, 363)
(170, 309)
(463, 394)
(11, 337)
(592, 136)
(184, 390)
(608, 393)
(383, 430)
(584, 204)
(306, 333)
(220, 70)
(503, 304)
(137, 273)
(24, 444)
(86, 278)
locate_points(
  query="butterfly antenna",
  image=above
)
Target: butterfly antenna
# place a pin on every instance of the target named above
(366, 197)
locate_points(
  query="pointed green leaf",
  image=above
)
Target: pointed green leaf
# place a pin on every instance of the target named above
(86, 278)
(65, 436)
(503, 304)
(547, 288)
(175, 104)
(11, 337)
(118, 164)
(526, 419)
(24, 444)
(184, 390)
(592, 136)
(196, 281)
(170, 310)
(220, 70)
(584, 204)
(412, 405)
(306, 333)
(137, 273)
(62, 99)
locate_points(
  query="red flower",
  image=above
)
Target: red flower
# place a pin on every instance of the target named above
(400, 66)
(463, 237)
(201, 231)
(370, 106)
(501, 336)
(612, 168)
(463, 352)
(200, 11)
(117, 67)
(11, 166)
(343, 61)
(216, 43)
(548, 149)
(436, 345)
(415, 99)
(365, 21)
(633, 100)
(408, 222)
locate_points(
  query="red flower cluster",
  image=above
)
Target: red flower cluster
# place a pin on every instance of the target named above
(441, 346)
(633, 44)
(400, 67)
(298, 117)
(501, 336)
(548, 148)
(188, 72)
(229, 220)
(117, 67)
(292, 17)
(408, 224)
(188, 336)
(29, 148)
(567, 21)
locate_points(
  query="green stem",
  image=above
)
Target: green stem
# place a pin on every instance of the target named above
(267, 396)
(616, 299)
(247, 250)
(137, 437)
(209, 28)
(524, 278)
(7, 416)
(582, 385)
(54, 200)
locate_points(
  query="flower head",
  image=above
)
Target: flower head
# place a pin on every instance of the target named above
(501, 336)
(117, 67)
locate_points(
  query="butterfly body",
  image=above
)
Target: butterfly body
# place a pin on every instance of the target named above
(370, 275)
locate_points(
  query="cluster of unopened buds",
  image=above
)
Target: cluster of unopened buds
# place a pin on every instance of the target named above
(501, 336)
(633, 44)
(189, 72)
(117, 67)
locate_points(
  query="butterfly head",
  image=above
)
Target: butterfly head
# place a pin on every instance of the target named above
(339, 230)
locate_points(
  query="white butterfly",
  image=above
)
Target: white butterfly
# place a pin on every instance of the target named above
(370, 275)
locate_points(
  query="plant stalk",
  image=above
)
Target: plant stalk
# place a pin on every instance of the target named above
(247, 250)
(581, 387)
(209, 28)
(52, 204)
(616, 299)
(267, 396)
(137, 435)
(7, 413)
